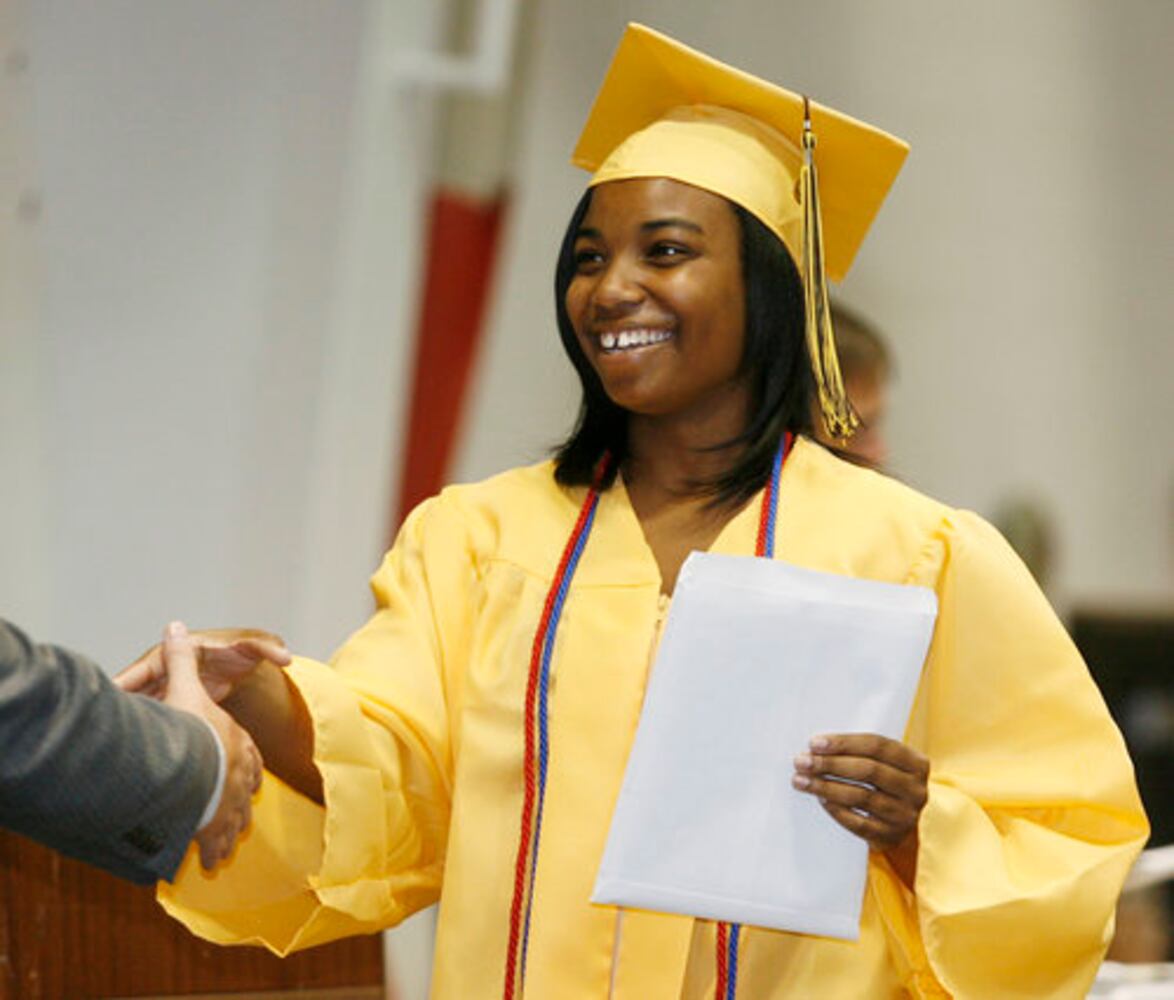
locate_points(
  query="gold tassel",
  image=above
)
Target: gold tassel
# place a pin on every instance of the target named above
(839, 418)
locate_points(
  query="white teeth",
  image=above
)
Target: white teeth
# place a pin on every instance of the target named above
(632, 338)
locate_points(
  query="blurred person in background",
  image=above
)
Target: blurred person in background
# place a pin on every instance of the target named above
(867, 368)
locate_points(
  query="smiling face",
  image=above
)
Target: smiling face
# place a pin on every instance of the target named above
(657, 299)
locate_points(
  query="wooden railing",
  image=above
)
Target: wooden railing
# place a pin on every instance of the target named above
(71, 932)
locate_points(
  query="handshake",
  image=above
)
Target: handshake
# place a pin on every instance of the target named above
(194, 676)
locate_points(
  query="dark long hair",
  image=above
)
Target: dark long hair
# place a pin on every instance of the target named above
(774, 362)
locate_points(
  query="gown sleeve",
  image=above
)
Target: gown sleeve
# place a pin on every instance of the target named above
(305, 874)
(1033, 818)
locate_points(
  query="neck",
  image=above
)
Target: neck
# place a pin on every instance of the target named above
(669, 455)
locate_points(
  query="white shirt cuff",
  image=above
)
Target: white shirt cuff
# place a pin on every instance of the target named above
(221, 771)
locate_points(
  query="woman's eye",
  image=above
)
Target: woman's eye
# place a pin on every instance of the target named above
(667, 253)
(585, 259)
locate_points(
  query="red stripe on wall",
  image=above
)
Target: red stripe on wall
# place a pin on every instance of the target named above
(462, 245)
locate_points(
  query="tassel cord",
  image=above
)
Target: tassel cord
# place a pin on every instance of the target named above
(838, 416)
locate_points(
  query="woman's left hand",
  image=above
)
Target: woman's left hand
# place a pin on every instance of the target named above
(873, 786)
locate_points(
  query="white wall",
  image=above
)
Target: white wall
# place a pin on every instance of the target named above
(24, 526)
(225, 291)
(1021, 266)
(173, 148)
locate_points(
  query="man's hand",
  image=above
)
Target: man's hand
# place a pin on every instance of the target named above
(225, 657)
(184, 691)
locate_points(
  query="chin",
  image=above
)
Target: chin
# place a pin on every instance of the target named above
(638, 402)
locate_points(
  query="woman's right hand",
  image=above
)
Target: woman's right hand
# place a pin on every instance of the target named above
(226, 657)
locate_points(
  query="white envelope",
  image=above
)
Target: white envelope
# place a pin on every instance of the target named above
(757, 657)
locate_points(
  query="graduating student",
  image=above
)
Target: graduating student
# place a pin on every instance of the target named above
(468, 743)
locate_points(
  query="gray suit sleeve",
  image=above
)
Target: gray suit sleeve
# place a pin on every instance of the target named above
(116, 780)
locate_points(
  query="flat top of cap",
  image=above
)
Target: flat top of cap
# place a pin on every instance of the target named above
(651, 74)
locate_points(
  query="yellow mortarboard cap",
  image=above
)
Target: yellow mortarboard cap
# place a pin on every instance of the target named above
(665, 110)
(652, 76)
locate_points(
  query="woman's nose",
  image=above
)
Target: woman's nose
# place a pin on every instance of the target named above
(618, 288)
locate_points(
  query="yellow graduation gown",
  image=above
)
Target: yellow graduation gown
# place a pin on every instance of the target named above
(1032, 822)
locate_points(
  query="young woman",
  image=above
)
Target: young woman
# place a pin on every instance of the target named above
(468, 743)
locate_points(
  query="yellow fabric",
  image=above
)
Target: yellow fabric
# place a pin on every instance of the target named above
(665, 110)
(1032, 822)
